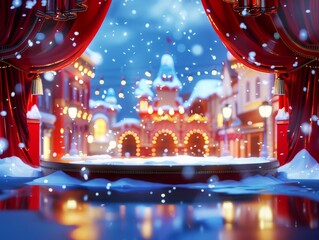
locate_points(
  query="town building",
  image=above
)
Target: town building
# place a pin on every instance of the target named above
(245, 89)
(64, 109)
(167, 125)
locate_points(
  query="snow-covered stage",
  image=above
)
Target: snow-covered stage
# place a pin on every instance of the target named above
(167, 169)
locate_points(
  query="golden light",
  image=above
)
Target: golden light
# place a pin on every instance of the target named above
(160, 111)
(148, 74)
(89, 73)
(227, 111)
(190, 78)
(71, 204)
(121, 95)
(72, 111)
(149, 82)
(101, 81)
(92, 75)
(76, 64)
(181, 110)
(85, 70)
(90, 139)
(112, 144)
(123, 82)
(265, 217)
(265, 110)
(228, 211)
(171, 111)
(97, 92)
(65, 110)
(214, 72)
(80, 68)
(150, 110)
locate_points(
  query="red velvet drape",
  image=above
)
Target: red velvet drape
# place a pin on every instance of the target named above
(35, 38)
(284, 38)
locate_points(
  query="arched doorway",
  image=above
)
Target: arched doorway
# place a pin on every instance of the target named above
(129, 144)
(196, 143)
(164, 143)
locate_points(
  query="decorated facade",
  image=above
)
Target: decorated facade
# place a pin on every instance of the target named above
(64, 110)
(168, 125)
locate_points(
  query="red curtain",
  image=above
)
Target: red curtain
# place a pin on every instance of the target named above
(277, 36)
(35, 38)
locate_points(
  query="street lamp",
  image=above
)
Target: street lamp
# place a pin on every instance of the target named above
(73, 111)
(226, 112)
(265, 110)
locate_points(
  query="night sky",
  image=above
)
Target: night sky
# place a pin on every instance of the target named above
(136, 33)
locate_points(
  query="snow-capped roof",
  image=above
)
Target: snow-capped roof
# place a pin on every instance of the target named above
(110, 97)
(34, 113)
(282, 115)
(166, 76)
(128, 122)
(110, 101)
(203, 89)
(97, 103)
(143, 89)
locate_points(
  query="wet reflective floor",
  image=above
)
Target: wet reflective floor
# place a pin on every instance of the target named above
(280, 211)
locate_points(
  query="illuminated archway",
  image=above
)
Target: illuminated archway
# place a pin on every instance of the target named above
(164, 143)
(196, 143)
(129, 144)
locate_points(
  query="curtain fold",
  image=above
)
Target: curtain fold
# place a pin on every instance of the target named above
(282, 39)
(36, 37)
(304, 127)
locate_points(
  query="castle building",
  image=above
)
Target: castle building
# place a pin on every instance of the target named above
(168, 126)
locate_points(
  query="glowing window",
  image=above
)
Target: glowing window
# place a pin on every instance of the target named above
(100, 130)
(219, 120)
(143, 105)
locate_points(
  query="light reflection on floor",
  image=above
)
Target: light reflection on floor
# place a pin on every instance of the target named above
(170, 213)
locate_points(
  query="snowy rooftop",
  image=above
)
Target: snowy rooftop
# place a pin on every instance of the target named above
(34, 113)
(128, 122)
(166, 76)
(143, 89)
(97, 103)
(203, 89)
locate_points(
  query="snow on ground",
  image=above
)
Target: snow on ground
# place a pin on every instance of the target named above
(15, 167)
(302, 166)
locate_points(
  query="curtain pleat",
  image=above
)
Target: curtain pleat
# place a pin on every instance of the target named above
(35, 38)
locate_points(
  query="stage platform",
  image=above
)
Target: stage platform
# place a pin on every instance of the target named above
(171, 170)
